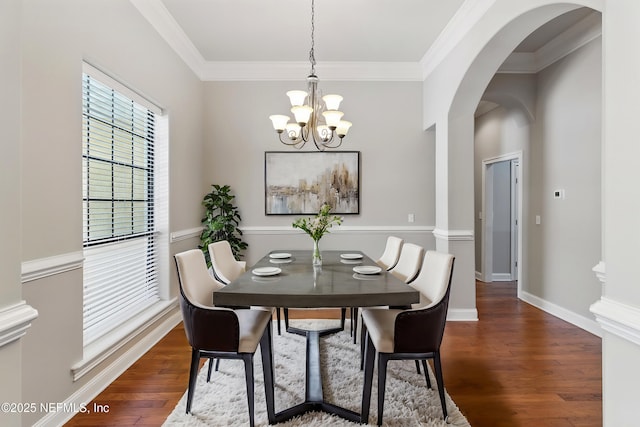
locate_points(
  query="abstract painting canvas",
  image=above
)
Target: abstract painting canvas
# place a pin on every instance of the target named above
(300, 182)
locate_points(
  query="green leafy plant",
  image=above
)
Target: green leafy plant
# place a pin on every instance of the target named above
(319, 225)
(221, 222)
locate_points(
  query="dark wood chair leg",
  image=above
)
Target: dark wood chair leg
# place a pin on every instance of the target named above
(248, 373)
(364, 335)
(217, 364)
(212, 361)
(343, 317)
(426, 373)
(382, 381)
(286, 319)
(417, 366)
(369, 361)
(266, 350)
(278, 317)
(193, 375)
(440, 381)
(354, 322)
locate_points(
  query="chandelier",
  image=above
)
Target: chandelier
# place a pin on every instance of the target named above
(316, 117)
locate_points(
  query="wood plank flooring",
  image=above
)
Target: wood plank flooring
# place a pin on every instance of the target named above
(517, 366)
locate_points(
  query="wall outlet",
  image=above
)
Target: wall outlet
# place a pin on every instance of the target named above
(411, 217)
(537, 219)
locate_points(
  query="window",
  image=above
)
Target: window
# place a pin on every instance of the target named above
(120, 232)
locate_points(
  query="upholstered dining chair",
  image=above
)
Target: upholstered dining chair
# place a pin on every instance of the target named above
(406, 269)
(227, 268)
(409, 334)
(387, 261)
(409, 262)
(391, 253)
(221, 333)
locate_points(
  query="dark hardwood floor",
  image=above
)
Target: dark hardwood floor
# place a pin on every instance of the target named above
(517, 366)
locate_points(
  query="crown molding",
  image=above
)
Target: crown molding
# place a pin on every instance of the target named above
(576, 36)
(465, 17)
(159, 17)
(469, 13)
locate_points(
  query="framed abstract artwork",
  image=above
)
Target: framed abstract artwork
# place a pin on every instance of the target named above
(300, 182)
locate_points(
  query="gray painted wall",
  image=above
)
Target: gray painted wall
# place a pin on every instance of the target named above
(10, 288)
(56, 38)
(397, 161)
(566, 154)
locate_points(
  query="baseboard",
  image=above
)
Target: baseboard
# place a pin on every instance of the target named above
(582, 322)
(97, 384)
(501, 277)
(462, 315)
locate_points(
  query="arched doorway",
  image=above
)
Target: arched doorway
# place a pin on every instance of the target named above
(454, 126)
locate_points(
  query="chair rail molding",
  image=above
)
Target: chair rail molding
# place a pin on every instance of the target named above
(618, 318)
(452, 235)
(287, 229)
(14, 321)
(179, 235)
(50, 266)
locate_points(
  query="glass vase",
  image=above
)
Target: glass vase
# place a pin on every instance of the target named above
(316, 257)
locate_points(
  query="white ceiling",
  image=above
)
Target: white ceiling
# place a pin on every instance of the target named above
(280, 30)
(354, 39)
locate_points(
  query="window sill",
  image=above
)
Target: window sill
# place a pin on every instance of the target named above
(99, 350)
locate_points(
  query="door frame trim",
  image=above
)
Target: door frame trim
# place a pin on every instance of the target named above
(486, 241)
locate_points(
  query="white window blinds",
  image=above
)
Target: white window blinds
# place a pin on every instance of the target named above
(119, 231)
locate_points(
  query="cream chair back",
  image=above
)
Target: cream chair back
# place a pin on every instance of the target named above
(389, 257)
(197, 284)
(409, 262)
(225, 266)
(433, 280)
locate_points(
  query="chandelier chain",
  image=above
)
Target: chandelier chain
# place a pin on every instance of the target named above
(312, 56)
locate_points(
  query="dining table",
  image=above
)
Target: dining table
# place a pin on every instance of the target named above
(288, 279)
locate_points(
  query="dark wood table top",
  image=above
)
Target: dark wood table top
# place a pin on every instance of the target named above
(335, 284)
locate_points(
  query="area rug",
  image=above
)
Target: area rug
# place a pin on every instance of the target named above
(223, 401)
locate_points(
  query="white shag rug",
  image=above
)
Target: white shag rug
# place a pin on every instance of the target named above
(223, 401)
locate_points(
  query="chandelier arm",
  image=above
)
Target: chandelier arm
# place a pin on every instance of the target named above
(291, 142)
(333, 143)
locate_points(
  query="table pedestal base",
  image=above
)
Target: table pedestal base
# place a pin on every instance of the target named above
(314, 400)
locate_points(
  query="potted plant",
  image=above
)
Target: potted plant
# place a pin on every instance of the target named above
(221, 221)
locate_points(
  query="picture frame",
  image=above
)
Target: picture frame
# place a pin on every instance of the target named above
(298, 183)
